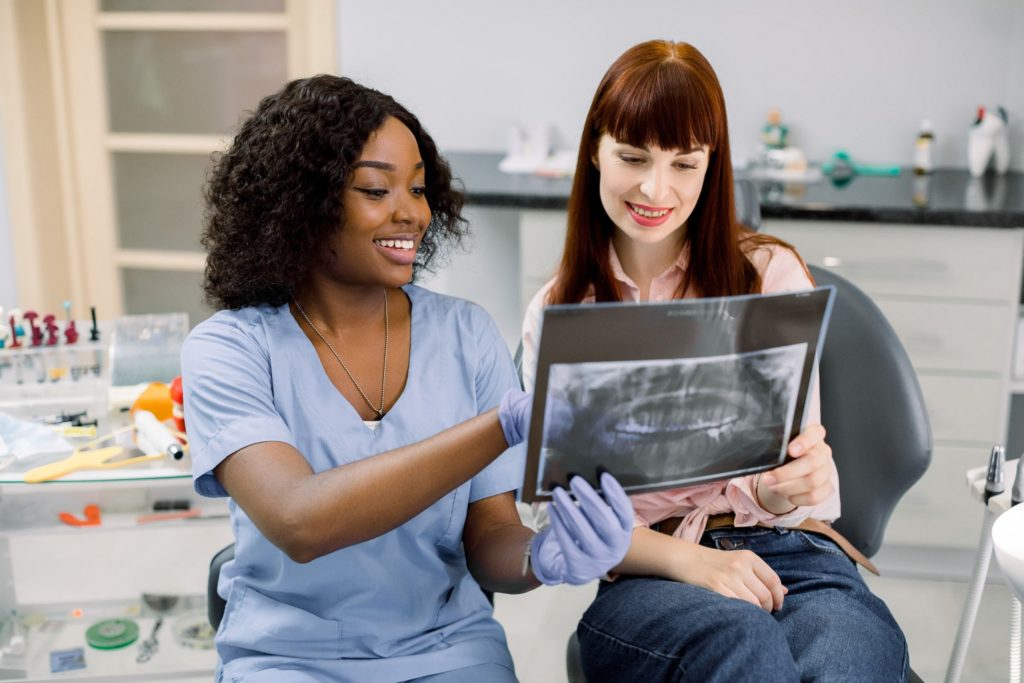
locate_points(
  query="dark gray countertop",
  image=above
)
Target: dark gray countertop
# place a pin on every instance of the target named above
(946, 197)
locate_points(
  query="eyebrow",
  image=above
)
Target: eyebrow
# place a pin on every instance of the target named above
(695, 150)
(382, 165)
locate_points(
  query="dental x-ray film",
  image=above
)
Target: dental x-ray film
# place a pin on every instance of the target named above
(664, 395)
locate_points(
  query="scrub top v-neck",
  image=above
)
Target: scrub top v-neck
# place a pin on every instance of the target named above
(398, 606)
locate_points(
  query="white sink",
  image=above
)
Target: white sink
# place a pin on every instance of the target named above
(1008, 539)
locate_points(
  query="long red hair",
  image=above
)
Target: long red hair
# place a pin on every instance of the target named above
(664, 94)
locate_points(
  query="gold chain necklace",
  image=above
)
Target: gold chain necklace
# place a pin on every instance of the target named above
(384, 376)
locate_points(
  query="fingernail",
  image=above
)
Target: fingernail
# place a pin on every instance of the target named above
(796, 448)
(768, 480)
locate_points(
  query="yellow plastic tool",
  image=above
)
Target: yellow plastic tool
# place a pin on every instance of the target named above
(95, 459)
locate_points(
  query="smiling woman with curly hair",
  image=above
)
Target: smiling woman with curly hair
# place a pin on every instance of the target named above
(350, 416)
(274, 201)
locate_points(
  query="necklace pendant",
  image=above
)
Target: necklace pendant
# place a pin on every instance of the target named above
(384, 373)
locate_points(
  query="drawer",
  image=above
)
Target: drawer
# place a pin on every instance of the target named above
(939, 510)
(966, 408)
(904, 260)
(947, 336)
(541, 240)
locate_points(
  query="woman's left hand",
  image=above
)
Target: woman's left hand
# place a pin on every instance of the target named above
(804, 480)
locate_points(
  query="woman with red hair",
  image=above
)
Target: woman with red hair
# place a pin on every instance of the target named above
(731, 580)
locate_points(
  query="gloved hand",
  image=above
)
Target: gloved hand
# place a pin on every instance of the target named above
(583, 543)
(514, 415)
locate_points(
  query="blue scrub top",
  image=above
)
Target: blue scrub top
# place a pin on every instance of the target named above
(398, 606)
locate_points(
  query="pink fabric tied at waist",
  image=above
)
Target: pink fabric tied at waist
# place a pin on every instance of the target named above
(696, 503)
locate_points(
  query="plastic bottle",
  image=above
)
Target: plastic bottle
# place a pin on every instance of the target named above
(773, 133)
(923, 149)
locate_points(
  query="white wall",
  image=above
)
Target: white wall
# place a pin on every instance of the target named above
(858, 76)
(8, 290)
(1015, 89)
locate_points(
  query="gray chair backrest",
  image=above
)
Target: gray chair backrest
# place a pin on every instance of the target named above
(748, 206)
(873, 411)
(214, 603)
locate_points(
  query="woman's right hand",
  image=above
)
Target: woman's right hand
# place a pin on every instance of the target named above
(737, 574)
(586, 541)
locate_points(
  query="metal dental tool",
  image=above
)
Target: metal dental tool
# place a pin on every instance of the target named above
(149, 646)
(994, 482)
(993, 487)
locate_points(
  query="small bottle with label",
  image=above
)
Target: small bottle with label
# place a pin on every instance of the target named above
(923, 149)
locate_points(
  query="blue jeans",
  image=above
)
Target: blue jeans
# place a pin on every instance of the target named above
(830, 628)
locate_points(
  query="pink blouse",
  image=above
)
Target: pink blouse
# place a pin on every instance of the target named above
(781, 271)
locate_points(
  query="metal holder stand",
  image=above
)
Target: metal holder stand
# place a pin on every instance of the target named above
(994, 506)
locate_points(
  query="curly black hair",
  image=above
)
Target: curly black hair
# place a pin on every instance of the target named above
(275, 197)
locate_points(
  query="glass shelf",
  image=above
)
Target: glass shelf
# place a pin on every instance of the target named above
(130, 475)
(46, 629)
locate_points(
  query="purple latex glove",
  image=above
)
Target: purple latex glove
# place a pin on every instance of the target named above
(514, 415)
(583, 543)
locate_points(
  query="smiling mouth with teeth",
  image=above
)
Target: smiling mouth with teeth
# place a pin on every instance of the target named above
(647, 213)
(396, 244)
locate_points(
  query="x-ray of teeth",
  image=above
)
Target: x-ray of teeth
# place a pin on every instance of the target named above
(670, 394)
(654, 423)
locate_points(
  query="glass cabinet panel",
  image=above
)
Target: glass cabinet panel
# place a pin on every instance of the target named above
(164, 291)
(159, 199)
(198, 82)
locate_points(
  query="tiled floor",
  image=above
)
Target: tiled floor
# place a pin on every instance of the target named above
(538, 625)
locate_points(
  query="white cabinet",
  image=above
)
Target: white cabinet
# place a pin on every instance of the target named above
(57, 580)
(541, 241)
(951, 294)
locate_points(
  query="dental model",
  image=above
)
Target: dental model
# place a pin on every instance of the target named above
(988, 138)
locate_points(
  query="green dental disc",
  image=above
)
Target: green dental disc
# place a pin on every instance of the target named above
(111, 634)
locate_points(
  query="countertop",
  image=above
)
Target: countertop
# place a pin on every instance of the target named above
(946, 197)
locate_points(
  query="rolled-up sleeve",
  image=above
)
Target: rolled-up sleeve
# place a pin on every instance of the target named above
(229, 398)
(495, 374)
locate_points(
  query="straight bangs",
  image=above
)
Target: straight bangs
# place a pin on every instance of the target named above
(661, 104)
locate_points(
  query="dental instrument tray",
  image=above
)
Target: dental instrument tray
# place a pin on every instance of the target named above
(664, 395)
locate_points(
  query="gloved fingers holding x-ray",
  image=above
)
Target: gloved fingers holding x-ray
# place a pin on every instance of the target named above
(587, 540)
